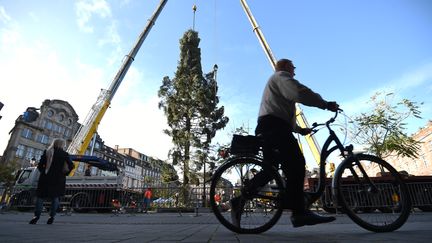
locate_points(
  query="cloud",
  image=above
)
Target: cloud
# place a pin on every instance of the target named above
(414, 78)
(33, 70)
(138, 125)
(85, 9)
(112, 36)
(408, 81)
(9, 34)
(4, 17)
(36, 70)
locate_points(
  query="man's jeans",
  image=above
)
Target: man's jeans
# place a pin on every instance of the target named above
(280, 146)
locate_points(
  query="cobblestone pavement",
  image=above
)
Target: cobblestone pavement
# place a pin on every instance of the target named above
(171, 227)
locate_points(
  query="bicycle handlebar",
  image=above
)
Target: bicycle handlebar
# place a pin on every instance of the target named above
(327, 123)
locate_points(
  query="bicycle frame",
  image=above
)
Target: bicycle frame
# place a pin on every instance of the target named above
(370, 195)
(325, 153)
(346, 152)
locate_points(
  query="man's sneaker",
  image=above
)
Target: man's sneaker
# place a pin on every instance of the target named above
(237, 205)
(309, 218)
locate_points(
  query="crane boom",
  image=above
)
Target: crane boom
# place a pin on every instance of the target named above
(82, 138)
(301, 119)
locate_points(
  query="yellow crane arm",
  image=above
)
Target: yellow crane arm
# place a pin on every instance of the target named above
(301, 119)
(84, 135)
(82, 138)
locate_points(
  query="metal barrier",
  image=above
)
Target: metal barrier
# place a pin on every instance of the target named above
(420, 195)
(175, 199)
(112, 199)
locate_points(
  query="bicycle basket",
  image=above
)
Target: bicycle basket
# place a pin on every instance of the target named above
(244, 144)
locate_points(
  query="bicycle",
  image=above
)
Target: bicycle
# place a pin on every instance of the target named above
(378, 203)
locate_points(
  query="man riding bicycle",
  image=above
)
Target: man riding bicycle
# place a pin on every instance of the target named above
(276, 123)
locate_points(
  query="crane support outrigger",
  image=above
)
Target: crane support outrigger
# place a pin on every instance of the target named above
(82, 138)
(301, 119)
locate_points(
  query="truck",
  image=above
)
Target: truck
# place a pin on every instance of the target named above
(83, 193)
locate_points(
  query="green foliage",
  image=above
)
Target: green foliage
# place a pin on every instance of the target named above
(189, 102)
(169, 173)
(7, 177)
(382, 130)
(7, 173)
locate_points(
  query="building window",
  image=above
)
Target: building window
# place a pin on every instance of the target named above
(67, 133)
(424, 161)
(38, 154)
(54, 127)
(20, 151)
(48, 125)
(26, 133)
(50, 113)
(30, 153)
(61, 117)
(42, 138)
(69, 122)
(62, 129)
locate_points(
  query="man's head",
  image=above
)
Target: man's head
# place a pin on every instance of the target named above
(285, 65)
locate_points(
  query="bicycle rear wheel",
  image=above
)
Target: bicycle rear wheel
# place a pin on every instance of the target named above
(260, 208)
(372, 193)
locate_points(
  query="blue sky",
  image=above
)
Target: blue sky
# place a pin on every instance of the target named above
(343, 49)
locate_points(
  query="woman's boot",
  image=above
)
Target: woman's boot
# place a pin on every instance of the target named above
(34, 220)
(50, 220)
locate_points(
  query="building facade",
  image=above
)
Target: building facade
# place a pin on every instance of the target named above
(148, 168)
(58, 119)
(423, 164)
(28, 140)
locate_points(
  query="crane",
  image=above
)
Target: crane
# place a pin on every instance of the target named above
(82, 138)
(301, 119)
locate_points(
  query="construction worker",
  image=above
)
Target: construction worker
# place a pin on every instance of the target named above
(147, 199)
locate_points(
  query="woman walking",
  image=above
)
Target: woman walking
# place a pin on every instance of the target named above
(52, 180)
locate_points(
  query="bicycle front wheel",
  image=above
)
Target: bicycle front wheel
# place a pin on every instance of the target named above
(255, 209)
(372, 193)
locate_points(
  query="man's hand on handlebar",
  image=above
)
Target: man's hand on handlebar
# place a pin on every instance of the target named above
(305, 131)
(332, 106)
